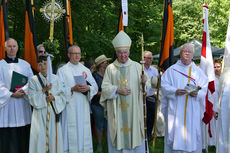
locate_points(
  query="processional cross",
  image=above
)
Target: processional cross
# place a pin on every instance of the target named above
(52, 11)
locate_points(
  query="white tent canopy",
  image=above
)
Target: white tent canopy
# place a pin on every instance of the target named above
(197, 50)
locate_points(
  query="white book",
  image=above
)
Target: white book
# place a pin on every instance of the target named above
(80, 80)
(192, 88)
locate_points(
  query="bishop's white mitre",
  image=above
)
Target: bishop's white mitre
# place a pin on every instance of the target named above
(121, 41)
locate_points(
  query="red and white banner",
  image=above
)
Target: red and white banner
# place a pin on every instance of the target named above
(124, 5)
(206, 64)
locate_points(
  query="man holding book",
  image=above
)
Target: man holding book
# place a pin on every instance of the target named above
(184, 87)
(80, 87)
(15, 111)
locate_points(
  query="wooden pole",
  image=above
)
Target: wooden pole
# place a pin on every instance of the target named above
(32, 3)
(144, 94)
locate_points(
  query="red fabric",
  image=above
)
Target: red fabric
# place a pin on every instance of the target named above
(209, 106)
(203, 52)
(208, 114)
(211, 87)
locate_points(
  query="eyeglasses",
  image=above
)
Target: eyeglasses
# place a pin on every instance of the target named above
(41, 51)
(187, 51)
(75, 53)
(148, 57)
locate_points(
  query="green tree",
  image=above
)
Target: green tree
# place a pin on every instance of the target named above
(188, 24)
(95, 24)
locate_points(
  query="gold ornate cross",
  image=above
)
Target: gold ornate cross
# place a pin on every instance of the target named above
(52, 11)
(123, 105)
(125, 129)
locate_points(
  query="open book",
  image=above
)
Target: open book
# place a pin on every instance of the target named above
(191, 88)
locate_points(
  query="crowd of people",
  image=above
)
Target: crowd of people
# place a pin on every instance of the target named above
(48, 113)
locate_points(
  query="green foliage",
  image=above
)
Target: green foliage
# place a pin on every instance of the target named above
(188, 24)
(95, 24)
(218, 21)
(52, 47)
(187, 21)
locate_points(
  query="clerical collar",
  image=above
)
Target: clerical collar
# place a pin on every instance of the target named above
(11, 60)
(123, 64)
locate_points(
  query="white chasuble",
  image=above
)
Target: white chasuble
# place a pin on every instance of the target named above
(14, 112)
(45, 132)
(124, 113)
(76, 117)
(183, 115)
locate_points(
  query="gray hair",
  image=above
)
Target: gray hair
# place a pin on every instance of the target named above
(187, 46)
(70, 48)
(146, 51)
(10, 39)
(40, 45)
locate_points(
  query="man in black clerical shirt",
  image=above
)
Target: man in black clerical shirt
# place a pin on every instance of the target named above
(15, 111)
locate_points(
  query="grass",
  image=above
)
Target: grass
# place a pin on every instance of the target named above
(159, 146)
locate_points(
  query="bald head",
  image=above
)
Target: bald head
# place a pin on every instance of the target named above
(10, 39)
(147, 53)
(148, 58)
(74, 54)
(73, 47)
(11, 46)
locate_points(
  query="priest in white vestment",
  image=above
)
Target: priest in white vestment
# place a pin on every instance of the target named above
(15, 111)
(184, 87)
(46, 133)
(76, 117)
(122, 99)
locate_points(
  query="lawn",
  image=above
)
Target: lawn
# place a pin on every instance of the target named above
(159, 147)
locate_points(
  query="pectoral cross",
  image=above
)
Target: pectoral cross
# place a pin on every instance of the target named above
(52, 11)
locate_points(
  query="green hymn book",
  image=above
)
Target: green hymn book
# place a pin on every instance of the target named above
(18, 80)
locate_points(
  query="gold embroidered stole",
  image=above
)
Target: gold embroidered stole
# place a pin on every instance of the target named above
(124, 105)
(186, 101)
